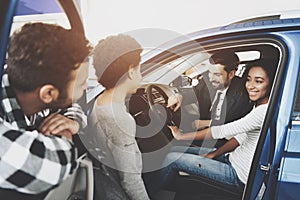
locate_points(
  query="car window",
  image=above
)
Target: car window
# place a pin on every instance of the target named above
(166, 73)
(195, 69)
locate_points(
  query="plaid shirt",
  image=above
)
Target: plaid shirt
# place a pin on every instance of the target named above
(31, 162)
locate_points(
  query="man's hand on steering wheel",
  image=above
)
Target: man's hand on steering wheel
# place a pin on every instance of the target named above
(174, 101)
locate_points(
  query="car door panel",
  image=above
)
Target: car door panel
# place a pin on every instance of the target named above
(267, 164)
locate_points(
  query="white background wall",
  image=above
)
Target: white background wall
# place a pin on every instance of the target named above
(105, 17)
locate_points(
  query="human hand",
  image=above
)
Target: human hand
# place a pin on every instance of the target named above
(175, 132)
(174, 101)
(57, 124)
(200, 124)
(67, 134)
(210, 155)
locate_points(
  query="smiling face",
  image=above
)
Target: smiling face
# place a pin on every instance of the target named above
(219, 77)
(257, 85)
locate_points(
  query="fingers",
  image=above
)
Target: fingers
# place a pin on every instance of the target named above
(177, 107)
(171, 101)
(179, 101)
(208, 155)
(175, 131)
(173, 128)
(174, 102)
(56, 123)
(66, 134)
(44, 126)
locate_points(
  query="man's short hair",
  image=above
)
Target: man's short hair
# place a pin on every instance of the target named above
(40, 54)
(227, 58)
(113, 56)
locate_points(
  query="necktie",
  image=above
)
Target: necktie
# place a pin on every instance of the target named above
(214, 107)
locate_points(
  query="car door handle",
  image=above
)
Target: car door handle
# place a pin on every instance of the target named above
(265, 168)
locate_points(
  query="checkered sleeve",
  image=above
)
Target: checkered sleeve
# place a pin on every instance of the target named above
(76, 113)
(31, 162)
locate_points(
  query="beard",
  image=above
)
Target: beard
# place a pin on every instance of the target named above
(217, 85)
(60, 104)
(63, 101)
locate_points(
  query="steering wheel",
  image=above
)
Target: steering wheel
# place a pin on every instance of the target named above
(156, 136)
(160, 110)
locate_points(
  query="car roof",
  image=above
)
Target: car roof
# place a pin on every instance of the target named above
(265, 23)
(250, 25)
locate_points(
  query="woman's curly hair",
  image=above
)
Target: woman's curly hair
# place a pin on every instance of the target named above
(113, 56)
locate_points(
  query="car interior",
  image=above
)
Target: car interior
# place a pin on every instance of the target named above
(148, 107)
(163, 77)
(153, 98)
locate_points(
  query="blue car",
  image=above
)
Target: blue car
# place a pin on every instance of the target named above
(177, 66)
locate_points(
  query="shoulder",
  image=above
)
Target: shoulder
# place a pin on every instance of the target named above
(258, 112)
(114, 117)
(261, 108)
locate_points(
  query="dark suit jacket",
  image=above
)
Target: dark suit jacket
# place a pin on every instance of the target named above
(235, 105)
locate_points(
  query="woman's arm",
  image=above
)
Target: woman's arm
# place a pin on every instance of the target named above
(229, 146)
(197, 135)
(251, 121)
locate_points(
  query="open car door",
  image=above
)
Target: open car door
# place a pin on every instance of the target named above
(80, 184)
(275, 167)
(7, 10)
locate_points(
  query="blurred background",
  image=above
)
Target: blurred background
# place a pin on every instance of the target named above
(114, 16)
(151, 22)
(170, 17)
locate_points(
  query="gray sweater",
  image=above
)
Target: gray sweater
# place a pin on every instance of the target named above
(117, 128)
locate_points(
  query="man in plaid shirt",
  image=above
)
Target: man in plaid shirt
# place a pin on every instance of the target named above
(46, 71)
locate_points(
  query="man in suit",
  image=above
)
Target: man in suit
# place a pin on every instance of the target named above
(221, 95)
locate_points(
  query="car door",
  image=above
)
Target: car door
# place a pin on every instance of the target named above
(288, 178)
(7, 10)
(274, 173)
(82, 180)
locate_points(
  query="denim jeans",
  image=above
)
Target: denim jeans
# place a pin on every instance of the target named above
(189, 160)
